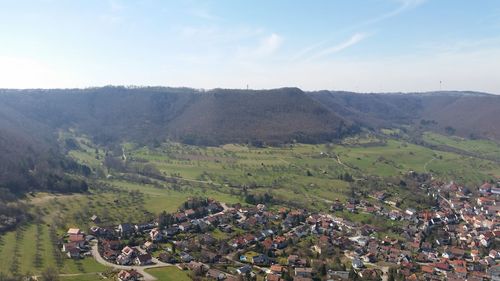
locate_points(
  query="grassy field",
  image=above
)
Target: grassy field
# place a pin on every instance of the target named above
(299, 172)
(396, 158)
(19, 249)
(480, 147)
(169, 274)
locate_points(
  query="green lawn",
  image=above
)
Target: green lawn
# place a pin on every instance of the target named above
(169, 274)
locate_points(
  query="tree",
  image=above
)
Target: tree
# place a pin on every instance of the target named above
(50, 274)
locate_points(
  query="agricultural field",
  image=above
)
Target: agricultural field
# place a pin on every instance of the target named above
(299, 172)
(30, 249)
(169, 274)
(485, 148)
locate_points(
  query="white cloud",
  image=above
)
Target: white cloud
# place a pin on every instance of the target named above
(353, 40)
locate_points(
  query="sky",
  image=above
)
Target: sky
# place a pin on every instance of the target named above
(354, 45)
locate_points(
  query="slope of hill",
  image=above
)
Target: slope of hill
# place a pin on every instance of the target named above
(468, 114)
(273, 116)
(145, 114)
(30, 120)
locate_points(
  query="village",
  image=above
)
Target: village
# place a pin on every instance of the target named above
(457, 239)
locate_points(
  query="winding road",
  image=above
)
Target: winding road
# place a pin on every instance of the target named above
(140, 269)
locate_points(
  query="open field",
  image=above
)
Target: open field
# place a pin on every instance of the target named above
(298, 172)
(484, 148)
(169, 274)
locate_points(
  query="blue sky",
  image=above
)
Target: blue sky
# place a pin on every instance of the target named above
(365, 46)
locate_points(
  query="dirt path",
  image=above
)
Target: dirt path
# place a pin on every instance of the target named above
(427, 163)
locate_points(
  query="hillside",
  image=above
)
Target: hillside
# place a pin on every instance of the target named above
(468, 114)
(30, 120)
(114, 114)
(273, 116)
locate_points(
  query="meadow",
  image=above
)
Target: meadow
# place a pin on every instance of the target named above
(169, 274)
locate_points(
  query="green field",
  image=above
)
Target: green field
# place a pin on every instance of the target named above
(169, 274)
(484, 148)
(19, 249)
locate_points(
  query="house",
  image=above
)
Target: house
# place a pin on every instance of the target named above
(185, 257)
(95, 219)
(280, 242)
(185, 226)
(292, 259)
(73, 253)
(190, 213)
(216, 274)
(76, 238)
(171, 231)
(209, 257)
(273, 277)
(125, 230)
(244, 270)
(485, 188)
(74, 231)
(276, 268)
(494, 273)
(143, 259)
(180, 217)
(303, 272)
(126, 256)
(260, 260)
(410, 211)
(197, 266)
(110, 255)
(357, 263)
(149, 246)
(155, 234)
(167, 258)
(128, 275)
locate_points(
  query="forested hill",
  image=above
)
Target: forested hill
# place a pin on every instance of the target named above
(149, 114)
(467, 114)
(218, 116)
(31, 158)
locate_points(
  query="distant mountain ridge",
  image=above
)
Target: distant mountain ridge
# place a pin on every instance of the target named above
(219, 116)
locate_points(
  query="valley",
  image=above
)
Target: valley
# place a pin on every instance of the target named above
(136, 183)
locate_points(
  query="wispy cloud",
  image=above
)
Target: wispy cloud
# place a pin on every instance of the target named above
(404, 6)
(353, 40)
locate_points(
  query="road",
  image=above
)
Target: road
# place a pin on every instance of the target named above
(140, 269)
